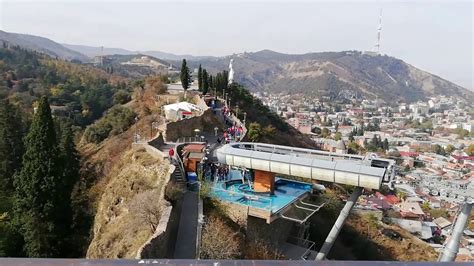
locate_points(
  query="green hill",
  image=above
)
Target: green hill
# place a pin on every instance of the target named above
(351, 73)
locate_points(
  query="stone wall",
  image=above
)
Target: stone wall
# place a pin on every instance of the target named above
(151, 150)
(157, 142)
(156, 246)
(185, 128)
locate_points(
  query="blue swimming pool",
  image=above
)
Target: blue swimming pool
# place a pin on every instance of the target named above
(286, 191)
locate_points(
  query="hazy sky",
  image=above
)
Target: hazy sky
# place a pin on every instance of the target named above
(436, 36)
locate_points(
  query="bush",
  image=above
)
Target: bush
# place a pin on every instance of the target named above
(255, 132)
(259, 250)
(117, 120)
(121, 97)
(219, 241)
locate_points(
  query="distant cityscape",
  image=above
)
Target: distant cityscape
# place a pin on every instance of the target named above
(429, 139)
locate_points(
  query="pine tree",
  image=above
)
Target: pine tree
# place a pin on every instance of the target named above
(200, 78)
(217, 83)
(11, 144)
(211, 82)
(185, 77)
(69, 158)
(39, 200)
(205, 82)
(385, 144)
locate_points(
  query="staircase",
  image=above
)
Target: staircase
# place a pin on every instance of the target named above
(178, 174)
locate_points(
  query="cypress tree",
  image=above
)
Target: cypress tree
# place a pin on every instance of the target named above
(200, 78)
(205, 82)
(70, 165)
(211, 82)
(185, 76)
(225, 75)
(385, 144)
(11, 152)
(38, 197)
(217, 82)
(11, 144)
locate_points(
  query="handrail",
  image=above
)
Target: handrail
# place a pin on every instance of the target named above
(294, 150)
(313, 211)
(181, 166)
(308, 244)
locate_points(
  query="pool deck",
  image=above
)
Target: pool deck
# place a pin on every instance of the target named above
(288, 194)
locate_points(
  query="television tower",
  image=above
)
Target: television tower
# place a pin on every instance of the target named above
(102, 55)
(379, 30)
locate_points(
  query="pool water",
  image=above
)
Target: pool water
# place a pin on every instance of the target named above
(286, 191)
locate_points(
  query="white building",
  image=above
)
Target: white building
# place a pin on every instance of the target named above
(181, 110)
(468, 126)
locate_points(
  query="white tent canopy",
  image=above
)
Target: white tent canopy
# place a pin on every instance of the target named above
(174, 111)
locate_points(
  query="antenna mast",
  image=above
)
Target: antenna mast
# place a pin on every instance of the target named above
(102, 55)
(379, 30)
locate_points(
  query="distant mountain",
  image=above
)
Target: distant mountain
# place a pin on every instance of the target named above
(92, 51)
(336, 74)
(169, 56)
(42, 45)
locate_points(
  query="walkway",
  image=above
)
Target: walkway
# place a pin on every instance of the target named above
(185, 247)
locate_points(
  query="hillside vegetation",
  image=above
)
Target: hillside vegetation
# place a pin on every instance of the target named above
(41, 44)
(333, 74)
(80, 92)
(361, 237)
(137, 183)
(272, 128)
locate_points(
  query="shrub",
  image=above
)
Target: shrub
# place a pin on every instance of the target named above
(219, 241)
(146, 209)
(117, 120)
(255, 132)
(121, 97)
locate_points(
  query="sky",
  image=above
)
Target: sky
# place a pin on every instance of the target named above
(436, 36)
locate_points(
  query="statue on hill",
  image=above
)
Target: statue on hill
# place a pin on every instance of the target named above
(231, 72)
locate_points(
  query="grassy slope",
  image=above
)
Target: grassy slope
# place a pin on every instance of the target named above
(113, 170)
(118, 232)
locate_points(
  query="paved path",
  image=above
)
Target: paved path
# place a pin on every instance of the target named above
(185, 247)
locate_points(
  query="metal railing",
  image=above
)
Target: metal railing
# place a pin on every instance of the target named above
(181, 166)
(189, 139)
(304, 243)
(278, 149)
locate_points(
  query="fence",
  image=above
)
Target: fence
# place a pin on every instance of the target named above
(189, 139)
(304, 243)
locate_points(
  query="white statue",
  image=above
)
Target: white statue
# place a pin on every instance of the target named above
(231, 72)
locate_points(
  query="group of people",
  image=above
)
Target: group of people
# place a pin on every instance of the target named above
(216, 171)
(232, 133)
